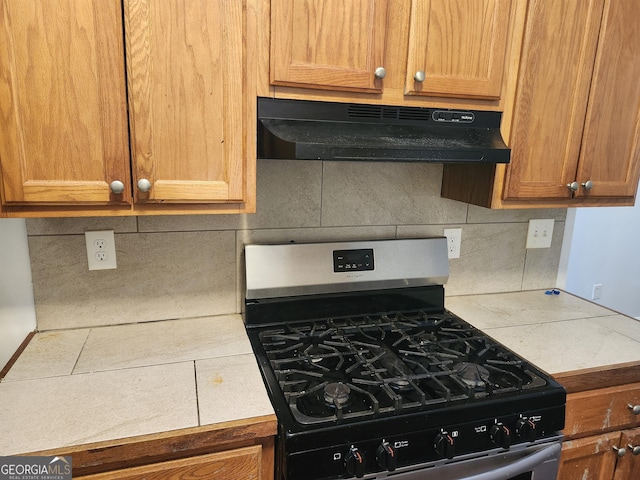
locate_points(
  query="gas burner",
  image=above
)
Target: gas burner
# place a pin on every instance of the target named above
(336, 394)
(400, 385)
(474, 375)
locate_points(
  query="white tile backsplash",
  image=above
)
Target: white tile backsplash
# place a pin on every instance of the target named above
(190, 266)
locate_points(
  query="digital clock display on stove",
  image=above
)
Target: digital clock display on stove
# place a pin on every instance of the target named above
(353, 260)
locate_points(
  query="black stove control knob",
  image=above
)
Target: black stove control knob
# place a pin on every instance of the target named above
(444, 445)
(526, 429)
(355, 461)
(500, 435)
(386, 456)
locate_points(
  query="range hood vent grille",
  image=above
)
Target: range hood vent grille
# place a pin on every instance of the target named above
(389, 112)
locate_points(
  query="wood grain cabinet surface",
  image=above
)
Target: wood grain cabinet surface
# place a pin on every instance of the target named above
(186, 130)
(63, 108)
(576, 123)
(239, 464)
(328, 44)
(600, 425)
(457, 48)
(399, 52)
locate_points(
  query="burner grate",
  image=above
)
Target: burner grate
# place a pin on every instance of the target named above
(336, 369)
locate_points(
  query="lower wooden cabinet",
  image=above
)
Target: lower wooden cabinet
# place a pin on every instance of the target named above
(601, 434)
(233, 450)
(628, 467)
(590, 458)
(239, 464)
(596, 457)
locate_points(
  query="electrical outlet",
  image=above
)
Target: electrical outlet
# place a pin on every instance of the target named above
(101, 250)
(540, 233)
(596, 292)
(454, 237)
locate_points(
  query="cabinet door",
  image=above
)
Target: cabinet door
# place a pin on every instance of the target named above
(610, 156)
(239, 464)
(590, 458)
(551, 101)
(192, 100)
(62, 102)
(328, 44)
(459, 46)
(628, 467)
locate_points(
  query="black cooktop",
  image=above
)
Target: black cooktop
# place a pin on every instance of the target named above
(365, 357)
(357, 367)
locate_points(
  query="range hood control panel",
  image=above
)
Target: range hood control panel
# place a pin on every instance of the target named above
(452, 116)
(353, 260)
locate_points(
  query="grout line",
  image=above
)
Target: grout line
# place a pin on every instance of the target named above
(75, 364)
(195, 379)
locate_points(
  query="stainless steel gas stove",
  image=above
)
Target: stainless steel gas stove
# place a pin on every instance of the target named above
(371, 377)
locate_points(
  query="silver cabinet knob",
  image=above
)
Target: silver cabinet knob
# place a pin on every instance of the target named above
(419, 76)
(588, 185)
(380, 72)
(621, 452)
(144, 185)
(635, 450)
(116, 187)
(635, 409)
(573, 186)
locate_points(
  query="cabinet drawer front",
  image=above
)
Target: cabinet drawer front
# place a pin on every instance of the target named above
(239, 464)
(602, 410)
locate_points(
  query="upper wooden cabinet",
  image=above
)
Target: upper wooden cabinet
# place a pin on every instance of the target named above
(576, 122)
(457, 48)
(330, 44)
(456, 53)
(63, 105)
(63, 108)
(189, 100)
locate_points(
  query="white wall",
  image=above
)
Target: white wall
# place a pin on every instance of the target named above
(602, 246)
(17, 311)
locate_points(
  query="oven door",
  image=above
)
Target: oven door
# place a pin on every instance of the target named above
(532, 462)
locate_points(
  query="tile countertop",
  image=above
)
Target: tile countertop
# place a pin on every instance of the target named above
(558, 333)
(72, 387)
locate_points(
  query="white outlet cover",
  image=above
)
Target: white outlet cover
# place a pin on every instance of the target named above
(101, 249)
(454, 238)
(540, 233)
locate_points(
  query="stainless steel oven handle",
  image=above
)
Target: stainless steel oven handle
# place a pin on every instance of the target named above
(521, 466)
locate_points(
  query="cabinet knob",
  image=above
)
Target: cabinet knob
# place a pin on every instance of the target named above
(621, 452)
(635, 450)
(419, 76)
(380, 72)
(116, 187)
(144, 185)
(635, 409)
(588, 185)
(573, 186)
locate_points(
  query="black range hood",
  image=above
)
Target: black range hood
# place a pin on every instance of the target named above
(305, 130)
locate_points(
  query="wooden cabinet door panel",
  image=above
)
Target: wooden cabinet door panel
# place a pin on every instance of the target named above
(460, 45)
(610, 155)
(590, 458)
(329, 44)
(239, 464)
(555, 73)
(190, 99)
(628, 467)
(62, 102)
